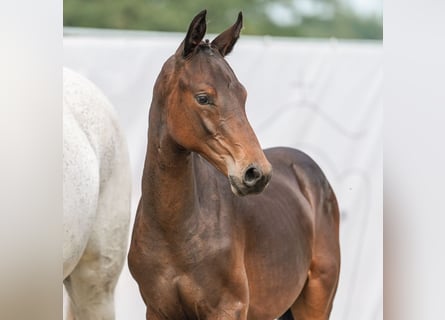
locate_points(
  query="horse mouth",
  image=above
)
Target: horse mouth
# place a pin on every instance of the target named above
(240, 189)
(235, 188)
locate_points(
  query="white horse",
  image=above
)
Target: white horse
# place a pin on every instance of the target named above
(96, 199)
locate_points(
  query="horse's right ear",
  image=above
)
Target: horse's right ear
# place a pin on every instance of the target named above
(195, 34)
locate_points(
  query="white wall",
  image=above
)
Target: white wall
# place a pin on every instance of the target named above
(319, 96)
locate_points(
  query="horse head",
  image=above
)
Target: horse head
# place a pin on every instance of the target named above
(206, 108)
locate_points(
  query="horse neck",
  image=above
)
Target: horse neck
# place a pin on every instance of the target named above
(168, 186)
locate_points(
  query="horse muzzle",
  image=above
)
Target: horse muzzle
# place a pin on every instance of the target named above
(253, 180)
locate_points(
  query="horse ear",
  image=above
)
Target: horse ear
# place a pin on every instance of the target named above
(195, 34)
(226, 40)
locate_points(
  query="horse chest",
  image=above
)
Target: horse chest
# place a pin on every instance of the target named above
(188, 278)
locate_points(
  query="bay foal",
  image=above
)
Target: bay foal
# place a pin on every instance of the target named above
(200, 249)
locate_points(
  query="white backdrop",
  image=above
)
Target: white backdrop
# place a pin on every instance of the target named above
(322, 97)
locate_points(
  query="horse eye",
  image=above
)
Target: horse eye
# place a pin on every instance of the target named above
(202, 99)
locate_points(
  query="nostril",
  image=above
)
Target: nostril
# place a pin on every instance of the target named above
(251, 176)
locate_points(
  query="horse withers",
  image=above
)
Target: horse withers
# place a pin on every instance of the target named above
(96, 199)
(210, 241)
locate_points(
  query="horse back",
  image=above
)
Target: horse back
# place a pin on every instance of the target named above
(300, 192)
(282, 227)
(277, 228)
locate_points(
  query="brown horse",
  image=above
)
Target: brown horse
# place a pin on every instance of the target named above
(203, 250)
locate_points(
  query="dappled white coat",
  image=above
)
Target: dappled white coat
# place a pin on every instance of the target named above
(96, 199)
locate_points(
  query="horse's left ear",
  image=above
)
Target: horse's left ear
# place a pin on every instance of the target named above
(226, 40)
